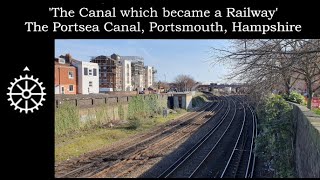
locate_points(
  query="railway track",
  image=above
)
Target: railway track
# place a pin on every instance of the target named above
(226, 149)
(189, 162)
(105, 160)
(241, 161)
(125, 167)
(205, 160)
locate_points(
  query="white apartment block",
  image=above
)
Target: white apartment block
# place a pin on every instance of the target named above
(126, 75)
(138, 81)
(148, 76)
(88, 77)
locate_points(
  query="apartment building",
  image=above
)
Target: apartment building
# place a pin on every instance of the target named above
(138, 75)
(126, 75)
(148, 70)
(110, 73)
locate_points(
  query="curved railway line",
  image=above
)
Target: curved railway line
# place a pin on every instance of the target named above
(207, 159)
(225, 149)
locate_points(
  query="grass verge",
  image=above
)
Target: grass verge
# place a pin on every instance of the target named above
(317, 111)
(199, 99)
(67, 147)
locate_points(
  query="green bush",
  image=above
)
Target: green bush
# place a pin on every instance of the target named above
(294, 97)
(134, 123)
(274, 143)
(144, 107)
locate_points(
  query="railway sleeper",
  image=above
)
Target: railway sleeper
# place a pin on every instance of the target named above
(110, 159)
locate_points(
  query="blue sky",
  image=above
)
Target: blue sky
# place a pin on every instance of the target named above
(169, 57)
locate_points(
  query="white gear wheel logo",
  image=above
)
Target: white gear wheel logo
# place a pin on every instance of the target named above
(26, 94)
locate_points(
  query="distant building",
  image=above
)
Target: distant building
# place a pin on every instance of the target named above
(228, 88)
(148, 76)
(126, 75)
(203, 87)
(138, 75)
(110, 73)
(65, 77)
(154, 76)
(88, 76)
(137, 71)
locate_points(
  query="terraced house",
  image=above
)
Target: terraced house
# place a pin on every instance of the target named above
(65, 77)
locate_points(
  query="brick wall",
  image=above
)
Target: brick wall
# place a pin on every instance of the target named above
(61, 78)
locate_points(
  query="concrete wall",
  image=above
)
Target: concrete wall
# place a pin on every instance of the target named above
(186, 100)
(94, 100)
(307, 150)
(90, 114)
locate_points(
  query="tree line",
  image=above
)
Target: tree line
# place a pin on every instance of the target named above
(180, 83)
(268, 65)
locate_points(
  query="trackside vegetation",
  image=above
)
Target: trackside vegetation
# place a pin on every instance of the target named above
(275, 141)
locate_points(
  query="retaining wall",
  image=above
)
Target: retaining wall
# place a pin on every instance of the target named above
(307, 150)
(95, 100)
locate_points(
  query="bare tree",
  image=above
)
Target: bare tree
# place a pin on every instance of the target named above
(307, 65)
(272, 64)
(164, 85)
(184, 82)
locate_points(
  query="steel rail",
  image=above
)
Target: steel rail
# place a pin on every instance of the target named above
(235, 146)
(184, 157)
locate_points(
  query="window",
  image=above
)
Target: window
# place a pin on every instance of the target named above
(70, 75)
(90, 72)
(94, 72)
(90, 83)
(85, 71)
(71, 88)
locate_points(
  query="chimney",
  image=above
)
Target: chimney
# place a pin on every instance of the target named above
(68, 58)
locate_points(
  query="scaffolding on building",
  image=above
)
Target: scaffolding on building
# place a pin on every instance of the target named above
(110, 72)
